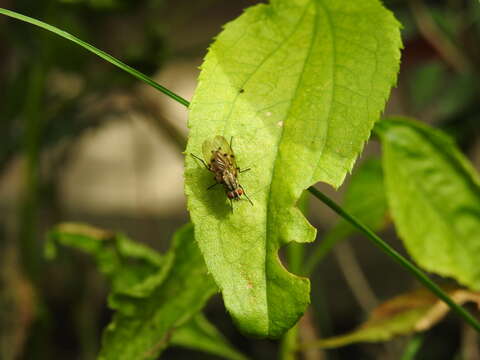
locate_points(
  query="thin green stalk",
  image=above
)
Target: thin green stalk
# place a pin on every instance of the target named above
(289, 344)
(295, 255)
(323, 248)
(429, 284)
(28, 221)
(412, 347)
(34, 117)
(97, 52)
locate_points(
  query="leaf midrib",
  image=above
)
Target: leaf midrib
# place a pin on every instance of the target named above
(269, 204)
(228, 117)
(329, 111)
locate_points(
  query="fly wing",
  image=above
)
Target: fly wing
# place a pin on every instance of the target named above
(220, 143)
(208, 149)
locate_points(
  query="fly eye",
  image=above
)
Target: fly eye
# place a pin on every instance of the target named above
(230, 195)
(239, 192)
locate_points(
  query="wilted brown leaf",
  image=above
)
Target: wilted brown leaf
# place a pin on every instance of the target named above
(404, 314)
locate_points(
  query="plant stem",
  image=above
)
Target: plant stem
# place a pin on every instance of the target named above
(355, 277)
(445, 47)
(29, 205)
(295, 255)
(429, 284)
(289, 341)
(323, 248)
(97, 52)
(289, 344)
(162, 124)
(412, 347)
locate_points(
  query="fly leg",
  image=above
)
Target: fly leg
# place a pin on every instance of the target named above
(212, 186)
(231, 148)
(200, 159)
(244, 193)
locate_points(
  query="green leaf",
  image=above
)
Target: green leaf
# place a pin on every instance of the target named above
(132, 268)
(387, 249)
(200, 334)
(365, 196)
(144, 331)
(153, 294)
(299, 85)
(434, 197)
(404, 314)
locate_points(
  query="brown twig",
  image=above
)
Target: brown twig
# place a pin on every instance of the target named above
(354, 276)
(308, 333)
(162, 124)
(470, 344)
(430, 31)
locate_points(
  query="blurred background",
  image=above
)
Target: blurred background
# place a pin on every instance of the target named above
(81, 140)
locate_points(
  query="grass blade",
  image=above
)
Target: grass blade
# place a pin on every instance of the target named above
(429, 284)
(112, 60)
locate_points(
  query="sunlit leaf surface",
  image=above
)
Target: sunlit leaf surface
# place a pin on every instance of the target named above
(299, 85)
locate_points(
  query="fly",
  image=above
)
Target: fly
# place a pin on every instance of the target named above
(218, 158)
